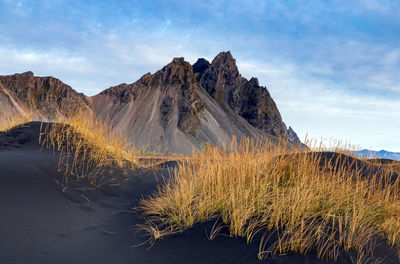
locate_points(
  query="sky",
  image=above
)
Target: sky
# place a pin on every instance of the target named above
(332, 67)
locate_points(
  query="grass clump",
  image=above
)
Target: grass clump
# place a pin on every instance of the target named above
(9, 122)
(88, 146)
(308, 201)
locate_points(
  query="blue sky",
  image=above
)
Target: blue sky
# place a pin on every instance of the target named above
(333, 67)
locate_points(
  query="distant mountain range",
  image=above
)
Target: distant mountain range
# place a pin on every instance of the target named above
(365, 153)
(176, 109)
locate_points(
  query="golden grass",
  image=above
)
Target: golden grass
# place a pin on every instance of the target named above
(391, 165)
(9, 122)
(88, 146)
(308, 204)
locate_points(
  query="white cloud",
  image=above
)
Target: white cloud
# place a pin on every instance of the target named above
(322, 109)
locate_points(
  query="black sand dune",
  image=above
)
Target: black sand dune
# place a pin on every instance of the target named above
(365, 168)
(40, 223)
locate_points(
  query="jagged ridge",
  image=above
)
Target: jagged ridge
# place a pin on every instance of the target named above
(45, 97)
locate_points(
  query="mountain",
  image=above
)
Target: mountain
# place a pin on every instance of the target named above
(181, 107)
(45, 97)
(177, 109)
(365, 153)
(246, 98)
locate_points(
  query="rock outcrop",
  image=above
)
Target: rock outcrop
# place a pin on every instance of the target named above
(44, 97)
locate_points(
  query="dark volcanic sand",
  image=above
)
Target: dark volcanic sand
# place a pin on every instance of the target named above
(39, 223)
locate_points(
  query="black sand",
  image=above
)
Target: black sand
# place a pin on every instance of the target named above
(40, 223)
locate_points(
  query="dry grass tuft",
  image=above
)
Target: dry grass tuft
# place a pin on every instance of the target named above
(88, 146)
(9, 122)
(309, 202)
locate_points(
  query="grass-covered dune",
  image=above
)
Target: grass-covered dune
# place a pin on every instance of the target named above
(319, 202)
(281, 204)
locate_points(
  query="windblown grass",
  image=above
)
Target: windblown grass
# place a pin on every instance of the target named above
(9, 122)
(388, 164)
(88, 147)
(308, 203)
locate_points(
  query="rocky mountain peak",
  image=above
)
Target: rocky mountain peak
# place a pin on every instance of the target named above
(27, 74)
(200, 67)
(226, 66)
(177, 71)
(43, 96)
(221, 76)
(224, 57)
(254, 81)
(178, 63)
